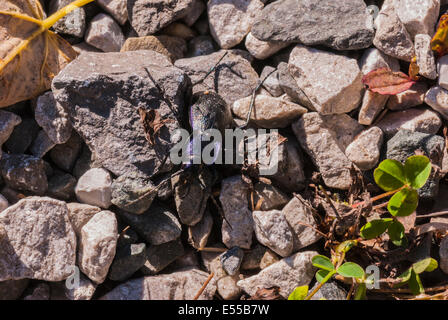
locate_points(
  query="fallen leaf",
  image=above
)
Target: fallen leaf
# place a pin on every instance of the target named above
(439, 43)
(387, 82)
(414, 69)
(30, 55)
(152, 123)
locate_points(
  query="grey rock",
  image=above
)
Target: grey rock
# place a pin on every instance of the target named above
(3, 203)
(231, 20)
(149, 16)
(105, 34)
(52, 117)
(41, 145)
(97, 245)
(437, 98)
(287, 274)
(271, 83)
(442, 68)
(199, 233)
(25, 173)
(127, 261)
(263, 49)
(418, 16)
(297, 213)
(73, 24)
(425, 56)
(231, 260)
(365, 150)
(237, 228)
(344, 25)
(273, 231)
(329, 291)
(180, 285)
(85, 162)
(332, 82)
(270, 196)
(412, 97)
(65, 155)
(84, 291)
(325, 139)
(227, 81)
(38, 240)
(22, 136)
(405, 143)
(12, 289)
(8, 121)
(157, 226)
(195, 11)
(62, 186)
(252, 258)
(289, 86)
(201, 46)
(80, 214)
(190, 196)
(116, 8)
(443, 252)
(158, 257)
(104, 109)
(94, 188)
(133, 193)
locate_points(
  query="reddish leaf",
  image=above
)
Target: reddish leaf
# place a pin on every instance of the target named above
(385, 81)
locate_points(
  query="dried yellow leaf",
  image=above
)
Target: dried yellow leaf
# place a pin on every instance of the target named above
(30, 55)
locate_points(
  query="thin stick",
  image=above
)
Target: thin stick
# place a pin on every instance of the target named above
(381, 196)
(315, 230)
(210, 277)
(436, 214)
(211, 69)
(212, 249)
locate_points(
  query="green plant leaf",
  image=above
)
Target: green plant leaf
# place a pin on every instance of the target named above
(322, 262)
(375, 228)
(346, 246)
(428, 265)
(351, 270)
(299, 293)
(417, 170)
(322, 274)
(396, 233)
(390, 175)
(361, 292)
(403, 203)
(404, 277)
(415, 284)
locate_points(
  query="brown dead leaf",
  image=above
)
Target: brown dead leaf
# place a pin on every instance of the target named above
(272, 293)
(387, 82)
(30, 55)
(414, 69)
(152, 123)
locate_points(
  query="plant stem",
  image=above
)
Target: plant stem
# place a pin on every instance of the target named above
(328, 277)
(381, 196)
(51, 20)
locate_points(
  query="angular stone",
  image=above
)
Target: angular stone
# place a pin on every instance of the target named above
(97, 245)
(172, 47)
(329, 291)
(228, 82)
(418, 16)
(307, 22)
(297, 213)
(425, 56)
(104, 110)
(412, 97)
(325, 139)
(437, 98)
(270, 196)
(133, 193)
(22, 136)
(84, 47)
(442, 68)
(268, 112)
(191, 194)
(179, 30)
(365, 150)
(371, 106)
(8, 121)
(25, 173)
(230, 20)
(405, 143)
(80, 214)
(180, 285)
(234, 203)
(158, 257)
(252, 258)
(41, 145)
(62, 186)
(287, 274)
(420, 120)
(391, 35)
(231, 260)
(201, 46)
(84, 291)
(52, 117)
(127, 261)
(73, 24)
(149, 16)
(38, 240)
(273, 231)
(227, 288)
(12, 289)
(332, 82)
(263, 49)
(94, 188)
(199, 233)
(195, 11)
(3, 203)
(157, 226)
(374, 59)
(105, 34)
(65, 155)
(271, 83)
(116, 8)
(289, 86)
